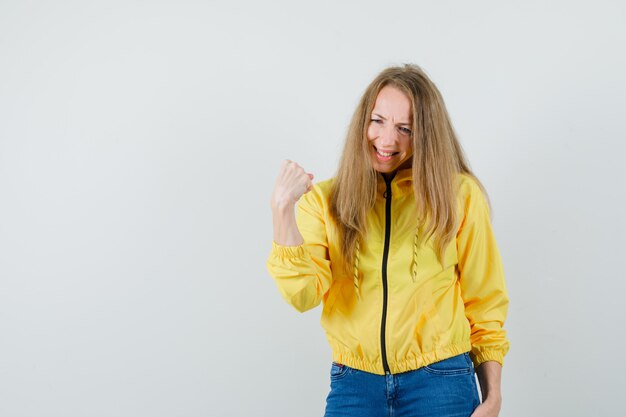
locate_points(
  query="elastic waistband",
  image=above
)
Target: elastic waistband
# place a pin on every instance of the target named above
(408, 364)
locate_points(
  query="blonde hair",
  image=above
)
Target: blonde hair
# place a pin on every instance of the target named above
(437, 159)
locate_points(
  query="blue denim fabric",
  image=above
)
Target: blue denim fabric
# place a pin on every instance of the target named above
(442, 389)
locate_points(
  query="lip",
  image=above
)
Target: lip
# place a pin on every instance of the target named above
(384, 159)
(385, 150)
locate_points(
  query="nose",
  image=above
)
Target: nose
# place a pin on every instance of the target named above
(388, 135)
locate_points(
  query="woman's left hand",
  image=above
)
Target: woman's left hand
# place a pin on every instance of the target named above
(489, 408)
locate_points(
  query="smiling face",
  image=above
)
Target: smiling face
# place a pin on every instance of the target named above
(389, 131)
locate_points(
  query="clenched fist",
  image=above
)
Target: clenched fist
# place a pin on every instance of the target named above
(291, 184)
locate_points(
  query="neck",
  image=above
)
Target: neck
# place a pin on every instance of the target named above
(388, 176)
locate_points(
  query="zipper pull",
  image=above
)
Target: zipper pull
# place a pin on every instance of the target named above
(387, 193)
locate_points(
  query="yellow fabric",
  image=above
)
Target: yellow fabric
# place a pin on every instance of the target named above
(434, 310)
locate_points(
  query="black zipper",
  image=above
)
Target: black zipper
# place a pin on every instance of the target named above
(387, 196)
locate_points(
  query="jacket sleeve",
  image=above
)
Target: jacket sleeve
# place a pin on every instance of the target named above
(483, 287)
(302, 273)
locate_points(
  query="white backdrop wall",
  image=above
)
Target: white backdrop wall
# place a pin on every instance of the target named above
(139, 145)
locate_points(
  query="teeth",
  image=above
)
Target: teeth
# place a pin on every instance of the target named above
(384, 153)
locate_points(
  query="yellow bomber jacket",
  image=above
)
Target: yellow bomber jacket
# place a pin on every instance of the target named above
(402, 309)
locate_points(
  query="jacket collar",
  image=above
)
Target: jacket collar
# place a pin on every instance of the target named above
(401, 183)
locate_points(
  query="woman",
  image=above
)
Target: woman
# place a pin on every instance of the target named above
(400, 249)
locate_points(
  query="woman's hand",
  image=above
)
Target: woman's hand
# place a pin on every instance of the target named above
(489, 375)
(489, 408)
(291, 184)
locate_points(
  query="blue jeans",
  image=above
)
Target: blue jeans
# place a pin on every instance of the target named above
(442, 389)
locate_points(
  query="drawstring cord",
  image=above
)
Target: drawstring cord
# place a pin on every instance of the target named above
(414, 262)
(356, 271)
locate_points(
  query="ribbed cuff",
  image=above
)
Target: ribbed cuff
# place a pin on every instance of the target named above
(288, 251)
(488, 355)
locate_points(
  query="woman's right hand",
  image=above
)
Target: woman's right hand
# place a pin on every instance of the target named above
(291, 184)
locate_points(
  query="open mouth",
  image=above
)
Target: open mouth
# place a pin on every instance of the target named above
(385, 154)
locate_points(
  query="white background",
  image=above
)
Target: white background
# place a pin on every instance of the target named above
(139, 144)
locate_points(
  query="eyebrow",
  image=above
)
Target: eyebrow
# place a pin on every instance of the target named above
(382, 117)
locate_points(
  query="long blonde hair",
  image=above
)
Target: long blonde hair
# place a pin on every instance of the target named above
(437, 159)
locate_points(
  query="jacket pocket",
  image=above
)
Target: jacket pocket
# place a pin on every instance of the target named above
(335, 294)
(456, 365)
(429, 266)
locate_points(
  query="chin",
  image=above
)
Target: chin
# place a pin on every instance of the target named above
(385, 170)
(389, 169)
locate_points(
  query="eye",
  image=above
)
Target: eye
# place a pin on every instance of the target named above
(405, 130)
(376, 121)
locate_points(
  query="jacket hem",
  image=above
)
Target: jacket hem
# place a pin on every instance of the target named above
(399, 366)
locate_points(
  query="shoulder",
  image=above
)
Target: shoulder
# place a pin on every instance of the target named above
(470, 195)
(324, 186)
(468, 187)
(466, 183)
(319, 195)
